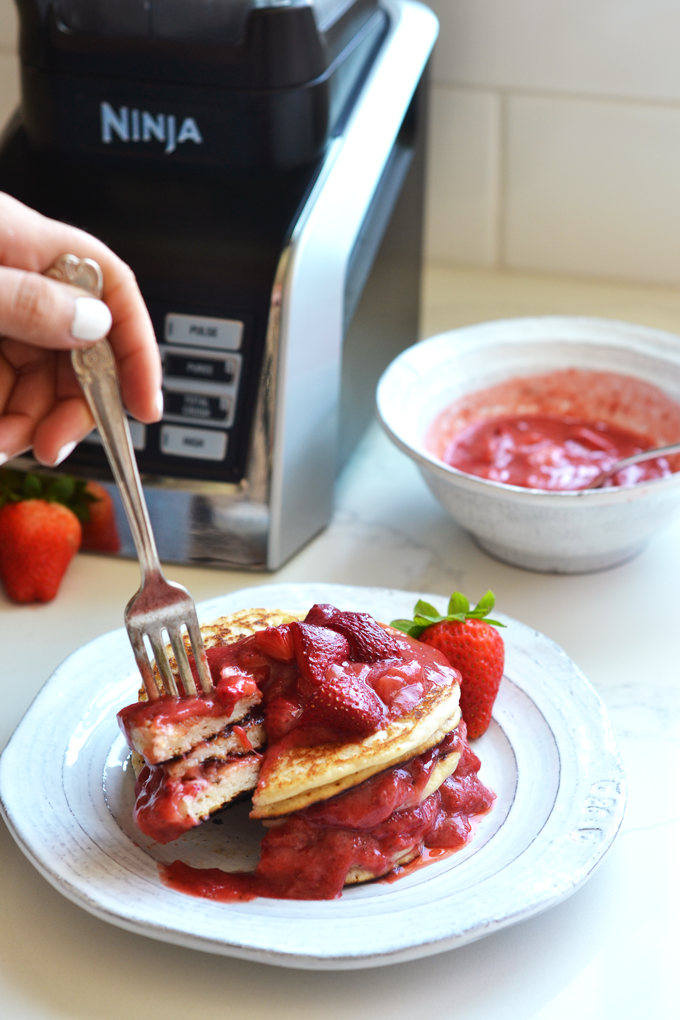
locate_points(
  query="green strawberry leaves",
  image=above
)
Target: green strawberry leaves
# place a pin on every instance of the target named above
(425, 615)
(16, 486)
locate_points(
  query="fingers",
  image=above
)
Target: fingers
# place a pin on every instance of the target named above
(134, 342)
(48, 314)
(31, 242)
(56, 435)
(69, 419)
(29, 399)
(41, 405)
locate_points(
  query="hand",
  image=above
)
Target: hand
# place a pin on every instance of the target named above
(41, 403)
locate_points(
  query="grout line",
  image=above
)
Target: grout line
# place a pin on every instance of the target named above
(585, 97)
(501, 182)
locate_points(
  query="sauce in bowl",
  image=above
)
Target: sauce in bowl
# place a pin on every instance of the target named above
(542, 452)
(558, 431)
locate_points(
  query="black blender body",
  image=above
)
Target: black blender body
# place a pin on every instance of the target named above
(194, 138)
(230, 84)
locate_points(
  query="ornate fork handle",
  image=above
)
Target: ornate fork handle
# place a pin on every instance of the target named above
(161, 609)
(95, 368)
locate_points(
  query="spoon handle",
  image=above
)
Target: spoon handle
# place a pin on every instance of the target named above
(636, 458)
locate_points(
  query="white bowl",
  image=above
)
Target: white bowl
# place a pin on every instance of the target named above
(560, 532)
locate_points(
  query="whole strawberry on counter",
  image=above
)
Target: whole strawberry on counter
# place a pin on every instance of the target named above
(471, 644)
(100, 532)
(40, 532)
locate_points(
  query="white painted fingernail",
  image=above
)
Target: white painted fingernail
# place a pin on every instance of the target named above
(3, 459)
(65, 450)
(159, 403)
(92, 320)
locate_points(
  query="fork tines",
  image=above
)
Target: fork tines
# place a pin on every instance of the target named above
(180, 643)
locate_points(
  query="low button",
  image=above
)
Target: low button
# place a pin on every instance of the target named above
(200, 444)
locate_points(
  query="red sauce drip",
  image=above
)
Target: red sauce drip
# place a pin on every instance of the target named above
(242, 736)
(158, 804)
(309, 855)
(554, 453)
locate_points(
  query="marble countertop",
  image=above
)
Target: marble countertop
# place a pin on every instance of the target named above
(604, 953)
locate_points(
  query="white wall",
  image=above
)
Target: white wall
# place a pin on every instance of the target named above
(555, 135)
(9, 67)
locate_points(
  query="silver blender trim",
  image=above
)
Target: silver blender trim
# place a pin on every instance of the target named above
(291, 472)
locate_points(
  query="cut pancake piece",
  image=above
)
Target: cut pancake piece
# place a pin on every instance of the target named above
(234, 740)
(303, 775)
(170, 727)
(166, 807)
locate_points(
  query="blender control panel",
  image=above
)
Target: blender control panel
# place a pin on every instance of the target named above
(201, 373)
(203, 376)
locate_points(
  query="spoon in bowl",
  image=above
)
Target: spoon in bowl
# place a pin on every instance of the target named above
(636, 458)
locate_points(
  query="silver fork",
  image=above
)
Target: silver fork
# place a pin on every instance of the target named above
(160, 606)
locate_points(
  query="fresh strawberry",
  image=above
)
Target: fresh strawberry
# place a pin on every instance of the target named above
(100, 533)
(472, 645)
(344, 702)
(38, 540)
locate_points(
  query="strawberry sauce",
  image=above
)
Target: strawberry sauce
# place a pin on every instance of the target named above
(158, 802)
(309, 855)
(335, 678)
(553, 453)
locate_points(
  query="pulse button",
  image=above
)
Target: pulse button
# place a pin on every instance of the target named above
(203, 331)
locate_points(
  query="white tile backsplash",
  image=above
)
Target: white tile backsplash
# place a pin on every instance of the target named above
(8, 26)
(593, 187)
(624, 48)
(463, 176)
(588, 134)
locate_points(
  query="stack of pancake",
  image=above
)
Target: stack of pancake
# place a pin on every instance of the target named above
(191, 764)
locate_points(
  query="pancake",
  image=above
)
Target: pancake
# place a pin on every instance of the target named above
(444, 768)
(219, 748)
(303, 775)
(194, 756)
(356, 874)
(166, 807)
(306, 775)
(158, 737)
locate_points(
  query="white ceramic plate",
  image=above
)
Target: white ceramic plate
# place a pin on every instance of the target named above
(550, 755)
